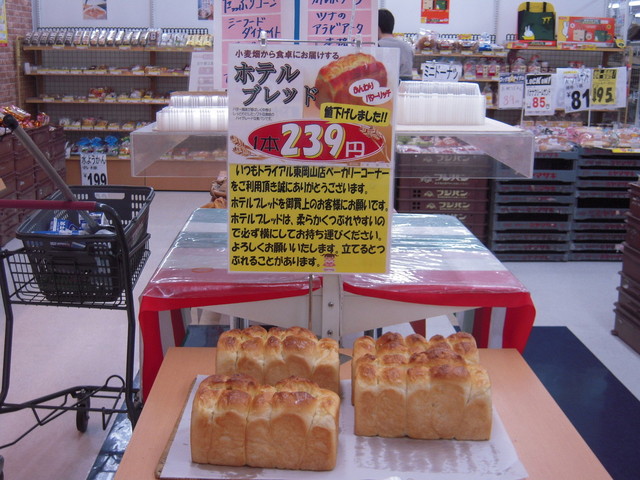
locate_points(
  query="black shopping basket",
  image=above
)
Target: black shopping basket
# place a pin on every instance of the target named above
(86, 268)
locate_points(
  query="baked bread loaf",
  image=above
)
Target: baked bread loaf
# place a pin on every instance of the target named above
(420, 389)
(270, 356)
(335, 79)
(292, 425)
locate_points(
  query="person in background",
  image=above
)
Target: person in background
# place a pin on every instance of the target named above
(386, 22)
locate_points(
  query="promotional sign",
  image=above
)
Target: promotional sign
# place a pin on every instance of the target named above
(93, 169)
(608, 87)
(539, 94)
(576, 87)
(511, 91)
(311, 158)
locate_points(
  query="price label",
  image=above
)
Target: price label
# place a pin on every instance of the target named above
(539, 94)
(603, 88)
(577, 88)
(93, 169)
(511, 91)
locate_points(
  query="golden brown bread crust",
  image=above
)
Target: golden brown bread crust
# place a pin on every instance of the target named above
(292, 425)
(335, 78)
(421, 388)
(270, 356)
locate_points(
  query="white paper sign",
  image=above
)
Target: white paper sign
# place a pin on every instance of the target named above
(93, 169)
(201, 72)
(511, 91)
(539, 94)
(575, 85)
(441, 72)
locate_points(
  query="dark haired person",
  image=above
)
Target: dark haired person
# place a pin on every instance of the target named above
(386, 22)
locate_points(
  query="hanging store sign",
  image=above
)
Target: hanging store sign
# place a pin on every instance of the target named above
(539, 94)
(311, 158)
(441, 71)
(237, 21)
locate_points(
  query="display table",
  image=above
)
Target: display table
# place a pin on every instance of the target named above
(437, 267)
(546, 442)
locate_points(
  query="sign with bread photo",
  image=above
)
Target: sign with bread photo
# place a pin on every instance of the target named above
(311, 157)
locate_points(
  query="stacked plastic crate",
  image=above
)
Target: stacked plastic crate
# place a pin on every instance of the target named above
(532, 218)
(459, 196)
(627, 309)
(602, 186)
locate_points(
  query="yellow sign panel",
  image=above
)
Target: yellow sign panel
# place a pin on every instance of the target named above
(603, 86)
(308, 218)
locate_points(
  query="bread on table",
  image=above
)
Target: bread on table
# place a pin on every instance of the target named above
(292, 425)
(270, 356)
(420, 388)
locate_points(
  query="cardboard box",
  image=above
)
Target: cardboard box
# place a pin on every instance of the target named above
(591, 31)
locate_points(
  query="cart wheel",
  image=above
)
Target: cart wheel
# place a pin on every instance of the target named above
(82, 416)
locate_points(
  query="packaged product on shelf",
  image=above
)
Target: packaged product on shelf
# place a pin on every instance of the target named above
(111, 37)
(469, 69)
(135, 38)
(77, 37)
(126, 38)
(119, 37)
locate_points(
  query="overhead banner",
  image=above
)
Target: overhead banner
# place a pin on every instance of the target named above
(311, 145)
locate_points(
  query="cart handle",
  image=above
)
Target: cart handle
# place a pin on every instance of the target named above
(52, 205)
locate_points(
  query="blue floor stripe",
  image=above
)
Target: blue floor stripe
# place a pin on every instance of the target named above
(600, 407)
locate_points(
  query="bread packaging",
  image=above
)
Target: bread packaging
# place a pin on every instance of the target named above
(293, 425)
(270, 356)
(428, 389)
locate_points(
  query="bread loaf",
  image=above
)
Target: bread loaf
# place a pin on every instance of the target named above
(420, 389)
(292, 425)
(270, 356)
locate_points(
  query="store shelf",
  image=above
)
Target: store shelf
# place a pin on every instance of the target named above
(94, 102)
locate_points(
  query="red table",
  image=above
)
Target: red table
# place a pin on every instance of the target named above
(437, 267)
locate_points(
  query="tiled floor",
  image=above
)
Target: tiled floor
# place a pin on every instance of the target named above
(57, 347)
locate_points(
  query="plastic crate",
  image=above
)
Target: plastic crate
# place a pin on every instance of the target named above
(87, 268)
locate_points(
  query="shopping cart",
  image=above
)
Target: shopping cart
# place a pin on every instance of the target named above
(96, 268)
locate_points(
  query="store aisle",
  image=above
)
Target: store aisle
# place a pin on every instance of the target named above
(58, 347)
(55, 348)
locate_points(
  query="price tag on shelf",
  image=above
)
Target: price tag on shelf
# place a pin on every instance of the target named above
(93, 169)
(603, 88)
(511, 91)
(575, 85)
(539, 94)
